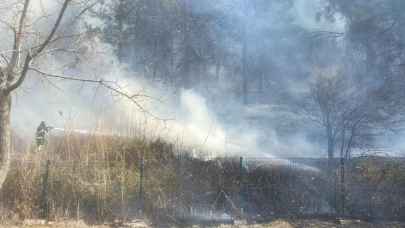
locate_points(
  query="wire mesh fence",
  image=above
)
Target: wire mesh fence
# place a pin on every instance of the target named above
(220, 189)
(283, 187)
(264, 188)
(375, 188)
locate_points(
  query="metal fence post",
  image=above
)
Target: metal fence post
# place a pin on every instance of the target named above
(241, 186)
(342, 166)
(43, 199)
(140, 188)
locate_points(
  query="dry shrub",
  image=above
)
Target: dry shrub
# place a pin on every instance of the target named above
(375, 187)
(93, 176)
(278, 224)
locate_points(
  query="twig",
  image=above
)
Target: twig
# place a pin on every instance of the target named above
(233, 205)
(102, 83)
(206, 137)
(173, 219)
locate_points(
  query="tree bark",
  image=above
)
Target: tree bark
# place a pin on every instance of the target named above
(5, 105)
(331, 142)
(186, 54)
(342, 147)
(120, 27)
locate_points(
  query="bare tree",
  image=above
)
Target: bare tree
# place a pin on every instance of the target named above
(33, 43)
(370, 113)
(323, 106)
(352, 116)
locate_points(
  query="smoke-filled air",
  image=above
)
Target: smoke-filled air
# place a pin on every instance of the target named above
(221, 77)
(201, 109)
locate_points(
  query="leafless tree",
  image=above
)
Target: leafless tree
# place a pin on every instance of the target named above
(33, 34)
(323, 106)
(352, 116)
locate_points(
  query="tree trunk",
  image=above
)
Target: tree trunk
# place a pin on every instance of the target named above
(5, 105)
(331, 142)
(135, 43)
(342, 147)
(349, 144)
(120, 21)
(244, 57)
(218, 54)
(186, 54)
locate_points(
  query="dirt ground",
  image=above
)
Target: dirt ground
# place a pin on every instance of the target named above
(314, 223)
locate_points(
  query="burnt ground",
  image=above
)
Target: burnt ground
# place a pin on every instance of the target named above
(294, 223)
(314, 223)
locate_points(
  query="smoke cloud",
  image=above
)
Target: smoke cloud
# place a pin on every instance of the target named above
(186, 118)
(305, 14)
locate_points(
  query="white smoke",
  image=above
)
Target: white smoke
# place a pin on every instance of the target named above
(185, 119)
(304, 14)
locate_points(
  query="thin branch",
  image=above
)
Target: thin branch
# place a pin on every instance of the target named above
(17, 38)
(39, 50)
(3, 55)
(53, 31)
(61, 37)
(102, 83)
(53, 84)
(206, 137)
(76, 17)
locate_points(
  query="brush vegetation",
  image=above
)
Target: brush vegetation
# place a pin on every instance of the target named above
(95, 177)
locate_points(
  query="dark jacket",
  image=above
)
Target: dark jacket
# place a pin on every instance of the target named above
(41, 130)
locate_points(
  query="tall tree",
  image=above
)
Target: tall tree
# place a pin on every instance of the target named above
(33, 43)
(351, 116)
(373, 34)
(186, 44)
(323, 106)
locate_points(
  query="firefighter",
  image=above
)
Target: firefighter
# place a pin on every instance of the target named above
(41, 131)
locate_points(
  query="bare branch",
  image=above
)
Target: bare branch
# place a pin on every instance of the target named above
(75, 18)
(17, 38)
(112, 86)
(53, 84)
(39, 50)
(53, 31)
(3, 56)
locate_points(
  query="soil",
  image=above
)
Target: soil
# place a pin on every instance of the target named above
(314, 223)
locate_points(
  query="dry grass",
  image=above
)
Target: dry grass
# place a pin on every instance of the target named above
(95, 177)
(279, 224)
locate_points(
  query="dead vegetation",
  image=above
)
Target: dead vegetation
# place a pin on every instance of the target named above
(95, 178)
